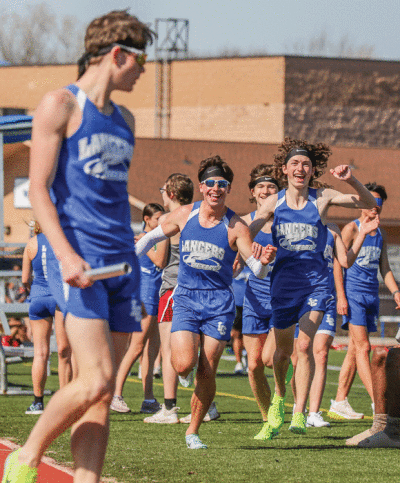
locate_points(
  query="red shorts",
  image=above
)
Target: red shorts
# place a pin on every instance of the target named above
(165, 307)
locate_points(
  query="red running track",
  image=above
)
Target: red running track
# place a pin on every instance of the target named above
(49, 470)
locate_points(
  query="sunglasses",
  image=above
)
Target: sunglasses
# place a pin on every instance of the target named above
(221, 183)
(141, 57)
(162, 190)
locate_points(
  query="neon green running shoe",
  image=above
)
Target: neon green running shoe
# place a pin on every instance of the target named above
(289, 373)
(15, 472)
(266, 432)
(298, 424)
(276, 412)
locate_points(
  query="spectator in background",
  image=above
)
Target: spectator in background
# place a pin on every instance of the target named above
(15, 290)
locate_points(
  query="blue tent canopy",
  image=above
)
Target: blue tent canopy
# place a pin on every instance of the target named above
(15, 129)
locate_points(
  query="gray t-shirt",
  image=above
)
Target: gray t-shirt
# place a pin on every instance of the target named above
(170, 272)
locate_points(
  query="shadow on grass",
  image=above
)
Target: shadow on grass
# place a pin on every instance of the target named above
(292, 447)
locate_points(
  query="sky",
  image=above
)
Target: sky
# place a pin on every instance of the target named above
(254, 26)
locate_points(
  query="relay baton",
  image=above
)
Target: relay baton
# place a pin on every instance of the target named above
(108, 272)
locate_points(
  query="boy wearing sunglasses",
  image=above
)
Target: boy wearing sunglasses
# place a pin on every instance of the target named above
(82, 145)
(204, 305)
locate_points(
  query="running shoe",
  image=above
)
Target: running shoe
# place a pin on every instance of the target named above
(343, 410)
(194, 442)
(35, 408)
(119, 405)
(239, 369)
(298, 424)
(164, 416)
(315, 420)
(15, 472)
(378, 425)
(157, 372)
(276, 412)
(266, 432)
(150, 407)
(289, 373)
(212, 414)
(188, 380)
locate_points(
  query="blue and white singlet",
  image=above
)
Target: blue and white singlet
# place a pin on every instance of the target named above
(362, 276)
(300, 237)
(40, 287)
(206, 258)
(89, 189)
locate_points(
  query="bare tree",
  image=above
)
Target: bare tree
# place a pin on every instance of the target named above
(39, 37)
(321, 45)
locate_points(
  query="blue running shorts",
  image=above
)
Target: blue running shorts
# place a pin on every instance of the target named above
(287, 312)
(208, 312)
(116, 300)
(42, 307)
(363, 310)
(328, 324)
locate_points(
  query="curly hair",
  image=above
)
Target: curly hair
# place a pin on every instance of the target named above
(257, 172)
(117, 26)
(320, 153)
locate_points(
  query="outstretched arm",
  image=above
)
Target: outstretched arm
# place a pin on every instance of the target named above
(363, 198)
(168, 228)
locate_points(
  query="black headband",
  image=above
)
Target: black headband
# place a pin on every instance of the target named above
(211, 172)
(299, 152)
(263, 179)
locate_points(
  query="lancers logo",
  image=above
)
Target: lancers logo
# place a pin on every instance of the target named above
(330, 321)
(291, 233)
(115, 153)
(202, 255)
(368, 257)
(221, 328)
(312, 302)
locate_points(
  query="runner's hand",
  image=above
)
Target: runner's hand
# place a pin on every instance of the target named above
(73, 271)
(342, 172)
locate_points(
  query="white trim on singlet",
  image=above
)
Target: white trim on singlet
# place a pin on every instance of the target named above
(225, 221)
(193, 213)
(280, 201)
(313, 200)
(81, 99)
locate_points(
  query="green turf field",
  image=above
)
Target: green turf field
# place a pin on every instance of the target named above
(139, 452)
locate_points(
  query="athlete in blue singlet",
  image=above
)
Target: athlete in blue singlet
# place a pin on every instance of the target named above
(82, 144)
(299, 280)
(42, 311)
(358, 302)
(204, 306)
(257, 329)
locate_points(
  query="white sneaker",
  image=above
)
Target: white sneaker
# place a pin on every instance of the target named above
(239, 369)
(343, 410)
(119, 405)
(188, 380)
(164, 416)
(315, 420)
(212, 414)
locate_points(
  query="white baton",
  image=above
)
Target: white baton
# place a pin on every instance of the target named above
(108, 272)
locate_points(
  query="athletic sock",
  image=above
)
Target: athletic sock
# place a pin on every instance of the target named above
(38, 400)
(393, 427)
(169, 403)
(379, 423)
